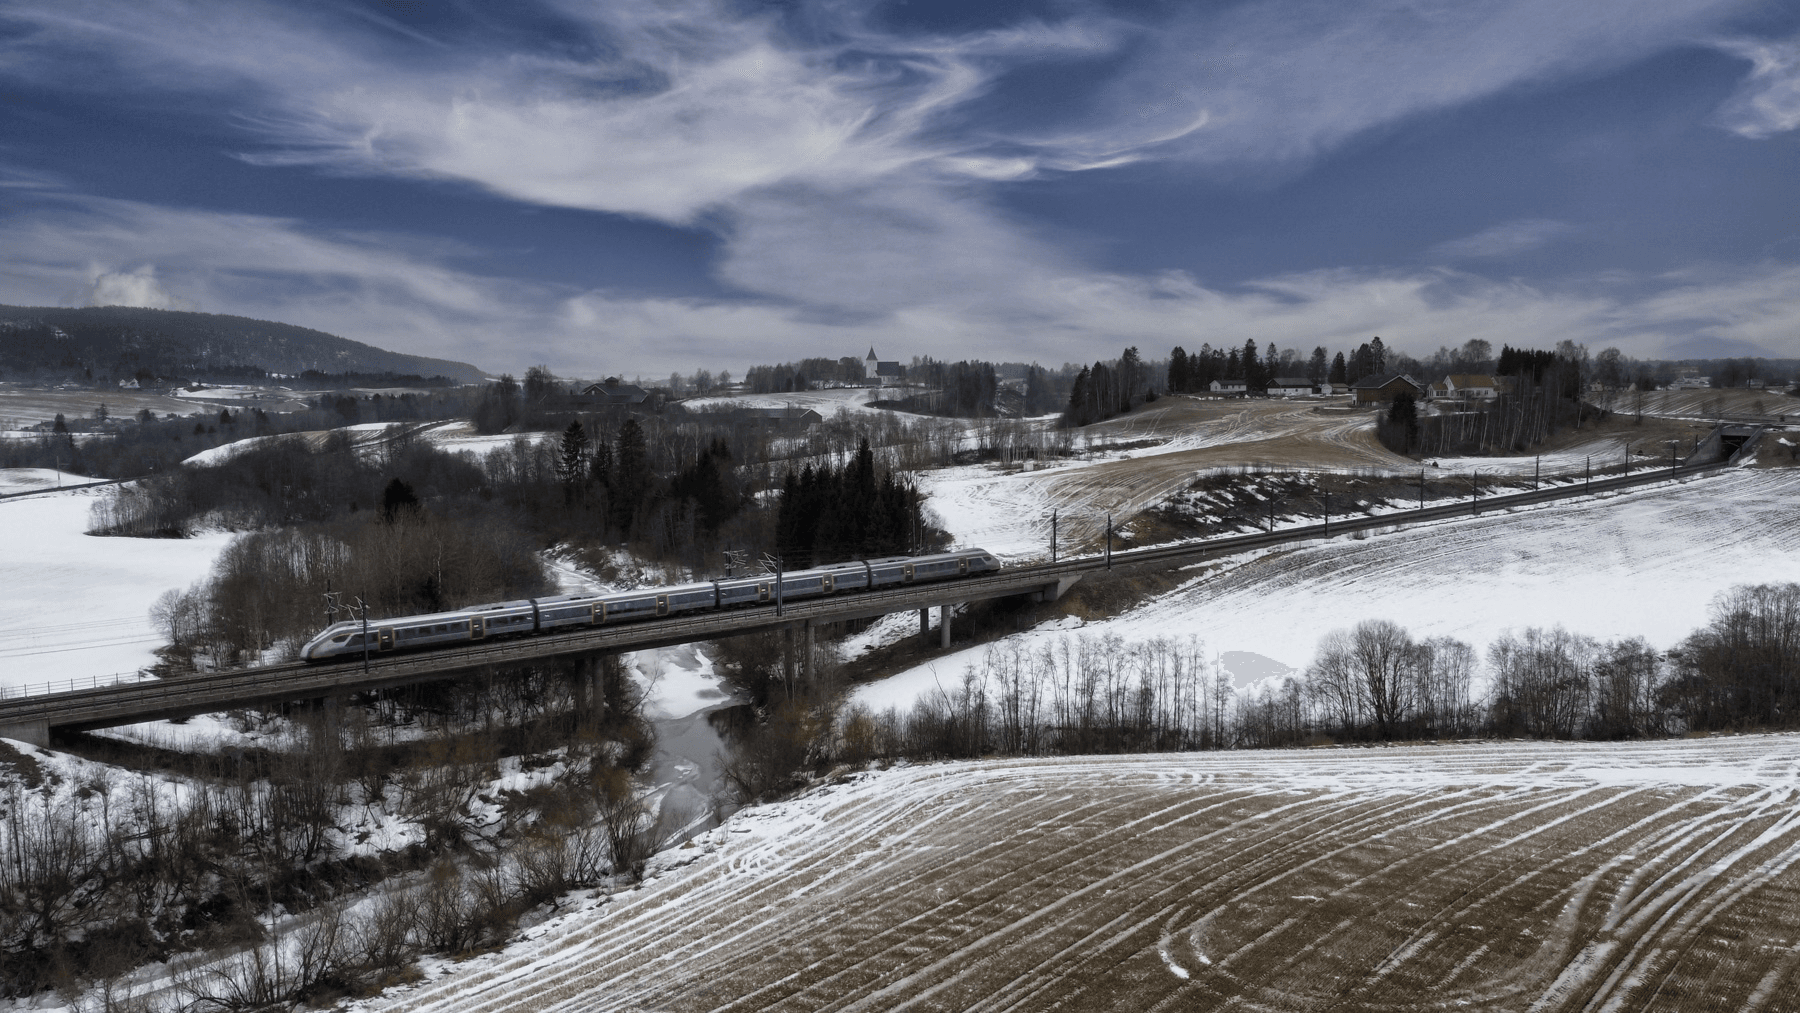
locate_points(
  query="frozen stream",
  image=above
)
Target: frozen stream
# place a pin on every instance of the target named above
(684, 700)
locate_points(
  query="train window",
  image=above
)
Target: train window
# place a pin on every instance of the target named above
(340, 638)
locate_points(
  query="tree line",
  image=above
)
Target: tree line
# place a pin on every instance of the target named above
(1102, 391)
(1542, 394)
(828, 515)
(1371, 682)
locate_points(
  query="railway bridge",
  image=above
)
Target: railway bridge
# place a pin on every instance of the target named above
(33, 718)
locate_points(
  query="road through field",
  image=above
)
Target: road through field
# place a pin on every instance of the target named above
(1507, 876)
(1009, 512)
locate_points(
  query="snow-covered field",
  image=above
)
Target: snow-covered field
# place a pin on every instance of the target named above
(1642, 563)
(826, 402)
(370, 437)
(77, 606)
(1506, 876)
(22, 480)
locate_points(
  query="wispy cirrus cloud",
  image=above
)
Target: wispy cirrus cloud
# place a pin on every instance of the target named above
(1283, 81)
(1504, 240)
(1768, 102)
(850, 173)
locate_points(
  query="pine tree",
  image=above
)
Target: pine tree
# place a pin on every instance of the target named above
(1178, 370)
(1404, 415)
(398, 501)
(1131, 381)
(571, 458)
(1074, 415)
(1338, 370)
(631, 475)
(1315, 369)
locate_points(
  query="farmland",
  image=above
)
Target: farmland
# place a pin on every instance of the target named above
(1641, 563)
(1505, 876)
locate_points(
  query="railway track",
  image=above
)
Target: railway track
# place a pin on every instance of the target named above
(32, 717)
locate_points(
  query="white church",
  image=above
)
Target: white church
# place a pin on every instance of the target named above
(881, 373)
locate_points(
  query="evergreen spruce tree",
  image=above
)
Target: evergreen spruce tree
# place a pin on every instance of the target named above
(631, 475)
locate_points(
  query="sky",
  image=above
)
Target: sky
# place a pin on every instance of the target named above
(644, 187)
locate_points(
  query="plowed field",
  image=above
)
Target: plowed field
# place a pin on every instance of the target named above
(1512, 876)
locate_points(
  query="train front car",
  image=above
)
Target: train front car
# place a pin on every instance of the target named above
(329, 643)
(980, 560)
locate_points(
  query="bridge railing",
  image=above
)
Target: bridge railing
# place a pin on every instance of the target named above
(71, 685)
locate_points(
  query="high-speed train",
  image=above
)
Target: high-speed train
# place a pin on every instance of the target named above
(541, 615)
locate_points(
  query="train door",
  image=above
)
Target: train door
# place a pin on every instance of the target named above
(906, 574)
(762, 592)
(597, 613)
(828, 583)
(384, 638)
(477, 627)
(662, 604)
(962, 567)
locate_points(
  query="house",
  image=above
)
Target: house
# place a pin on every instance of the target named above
(613, 392)
(1467, 387)
(1230, 387)
(1337, 388)
(1291, 386)
(789, 419)
(882, 373)
(1385, 387)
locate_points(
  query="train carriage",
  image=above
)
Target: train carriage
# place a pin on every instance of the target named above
(538, 615)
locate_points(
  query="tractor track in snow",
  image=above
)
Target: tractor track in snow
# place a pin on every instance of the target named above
(1504, 876)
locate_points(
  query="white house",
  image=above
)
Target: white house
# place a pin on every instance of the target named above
(1229, 387)
(1466, 387)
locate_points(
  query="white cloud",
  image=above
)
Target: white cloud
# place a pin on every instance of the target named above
(1503, 240)
(390, 292)
(845, 174)
(1768, 102)
(138, 287)
(1281, 81)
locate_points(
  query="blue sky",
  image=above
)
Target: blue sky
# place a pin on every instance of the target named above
(644, 187)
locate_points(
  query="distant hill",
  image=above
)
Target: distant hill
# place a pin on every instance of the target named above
(121, 342)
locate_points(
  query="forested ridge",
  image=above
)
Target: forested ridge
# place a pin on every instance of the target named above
(103, 344)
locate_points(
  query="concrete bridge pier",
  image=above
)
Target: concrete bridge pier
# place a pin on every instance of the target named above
(944, 626)
(35, 732)
(925, 627)
(586, 684)
(331, 716)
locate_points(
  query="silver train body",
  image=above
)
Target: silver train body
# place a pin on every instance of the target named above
(544, 615)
